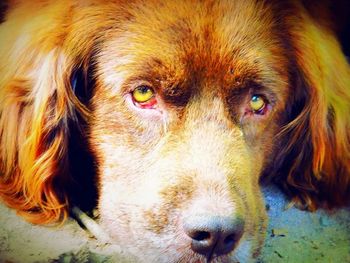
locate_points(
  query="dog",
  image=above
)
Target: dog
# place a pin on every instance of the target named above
(167, 115)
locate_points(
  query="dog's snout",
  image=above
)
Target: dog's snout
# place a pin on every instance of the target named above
(213, 235)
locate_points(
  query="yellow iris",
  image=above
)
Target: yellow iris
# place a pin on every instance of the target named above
(257, 103)
(142, 94)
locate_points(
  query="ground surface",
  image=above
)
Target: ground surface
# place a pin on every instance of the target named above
(300, 236)
(293, 236)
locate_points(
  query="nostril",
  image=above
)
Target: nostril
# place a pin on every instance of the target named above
(200, 235)
(213, 234)
(229, 240)
(227, 244)
(204, 235)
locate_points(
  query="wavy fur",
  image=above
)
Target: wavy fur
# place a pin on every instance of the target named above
(315, 157)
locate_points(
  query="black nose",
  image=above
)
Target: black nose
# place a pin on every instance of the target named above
(213, 234)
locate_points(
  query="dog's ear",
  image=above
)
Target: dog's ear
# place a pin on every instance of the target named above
(36, 104)
(317, 154)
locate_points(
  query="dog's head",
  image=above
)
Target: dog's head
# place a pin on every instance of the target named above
(186, 105)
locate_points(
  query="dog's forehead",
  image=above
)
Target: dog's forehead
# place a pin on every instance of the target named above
(214, 39)
(214, 46)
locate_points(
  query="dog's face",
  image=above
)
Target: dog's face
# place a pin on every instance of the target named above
(186, 105)
(184, 162)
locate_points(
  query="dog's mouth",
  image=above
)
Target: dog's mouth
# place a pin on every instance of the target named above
(212, 257)
(233, 257)
(188, 257)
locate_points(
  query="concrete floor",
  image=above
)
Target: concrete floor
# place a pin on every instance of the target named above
(293, 236)
(301, 236)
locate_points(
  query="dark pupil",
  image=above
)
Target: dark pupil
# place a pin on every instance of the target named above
(255, 98)
(143, 89)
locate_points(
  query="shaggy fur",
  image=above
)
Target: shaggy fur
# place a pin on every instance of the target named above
(68, 123)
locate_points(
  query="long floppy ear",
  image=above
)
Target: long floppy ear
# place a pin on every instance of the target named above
(317, 153)
(36, 105)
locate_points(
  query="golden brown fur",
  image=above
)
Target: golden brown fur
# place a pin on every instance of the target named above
(201, 151)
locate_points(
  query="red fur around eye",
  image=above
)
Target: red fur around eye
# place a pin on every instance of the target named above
(151, 104)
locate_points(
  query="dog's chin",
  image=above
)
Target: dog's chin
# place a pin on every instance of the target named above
(180, 254)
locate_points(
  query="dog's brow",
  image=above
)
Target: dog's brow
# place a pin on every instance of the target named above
(250, 83)
(155, 63)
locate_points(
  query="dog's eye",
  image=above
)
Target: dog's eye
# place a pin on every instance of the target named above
(144, 96)
(258, 104)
